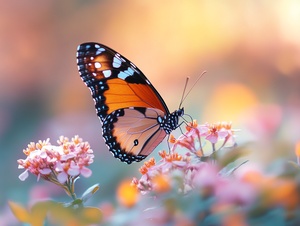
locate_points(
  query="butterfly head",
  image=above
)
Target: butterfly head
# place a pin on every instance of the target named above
(179, 112)
(170, 121)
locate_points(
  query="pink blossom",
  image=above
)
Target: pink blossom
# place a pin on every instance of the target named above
(62, 177)
(234, 191)
(57, 164)
(204, 175)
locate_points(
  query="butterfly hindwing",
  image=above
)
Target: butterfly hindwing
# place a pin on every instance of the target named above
(132, 133)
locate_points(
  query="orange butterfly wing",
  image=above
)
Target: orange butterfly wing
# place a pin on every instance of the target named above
(114, 81)
(131, 110)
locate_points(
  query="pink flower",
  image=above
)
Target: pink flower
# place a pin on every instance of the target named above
(204, 175)
(216, 131)
(58, 164)
(233, 191)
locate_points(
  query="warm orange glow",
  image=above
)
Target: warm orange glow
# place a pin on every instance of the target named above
(234, 220)
(253, 177)
(228, 101)
(284, 192)
(161, 183)
(275, 191)
(297, 149)
(127, 194)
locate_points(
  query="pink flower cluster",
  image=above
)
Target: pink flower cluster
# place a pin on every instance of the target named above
(193, 173)
(190, 177)
(220, 132)
(57, 164)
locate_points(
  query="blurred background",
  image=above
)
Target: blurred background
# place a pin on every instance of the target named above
(250, 50)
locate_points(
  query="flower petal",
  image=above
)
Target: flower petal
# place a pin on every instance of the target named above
(213, 138)
(23, 175)
(45, 171)
(86, 172)
(73, 170)
(62, 177)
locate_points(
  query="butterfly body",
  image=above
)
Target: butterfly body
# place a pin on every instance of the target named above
(135, 118)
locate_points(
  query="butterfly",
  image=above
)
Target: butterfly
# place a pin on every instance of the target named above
(135, 118)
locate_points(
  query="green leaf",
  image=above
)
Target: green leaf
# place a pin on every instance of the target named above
(231, 155)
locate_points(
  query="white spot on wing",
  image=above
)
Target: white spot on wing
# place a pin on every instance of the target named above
(106, 73)
(122, 59)
(97, 46)
(99, 51)
(132, 65)
(116, 62)
(129, 71)
(97, 65)
(122, 75)
(149, 83)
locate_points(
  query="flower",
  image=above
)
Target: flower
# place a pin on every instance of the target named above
(127, 194)
(216, 131)
(60, 164)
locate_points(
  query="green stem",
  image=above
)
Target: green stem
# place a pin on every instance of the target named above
(70, 188)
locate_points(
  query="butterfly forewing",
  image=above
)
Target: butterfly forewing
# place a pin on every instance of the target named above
(114, 81)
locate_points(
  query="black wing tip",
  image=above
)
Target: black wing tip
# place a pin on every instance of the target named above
(87, 45)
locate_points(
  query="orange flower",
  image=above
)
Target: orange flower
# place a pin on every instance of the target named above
(173, 157)
(143, 170)
(284, 192)
(161, 183)
(276, 191)
(127, 194)
(234, 219)
(150, 163)
(172, 139)
(162, 154)
(191, 125)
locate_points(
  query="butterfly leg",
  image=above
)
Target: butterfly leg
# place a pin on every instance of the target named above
(169, 143)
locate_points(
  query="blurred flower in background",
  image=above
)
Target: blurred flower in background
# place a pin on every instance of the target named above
(193, 190)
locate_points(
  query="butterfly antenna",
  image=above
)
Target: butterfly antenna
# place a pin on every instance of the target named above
(184, 96)
(184, 89)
